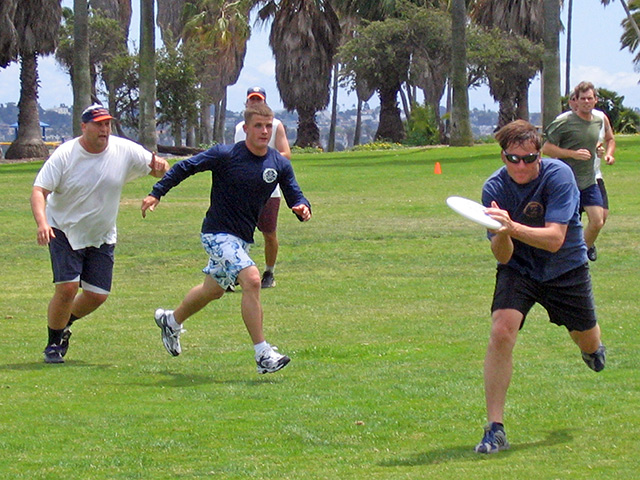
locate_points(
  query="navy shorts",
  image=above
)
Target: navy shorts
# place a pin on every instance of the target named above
(591, 197)
(603, 193)
(91, 266)
(568, 299)
(268, 220)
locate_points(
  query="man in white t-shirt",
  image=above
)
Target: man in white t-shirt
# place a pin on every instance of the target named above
(75, 200)
(268, 221)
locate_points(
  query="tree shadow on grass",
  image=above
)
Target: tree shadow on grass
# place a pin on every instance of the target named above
(466, 453)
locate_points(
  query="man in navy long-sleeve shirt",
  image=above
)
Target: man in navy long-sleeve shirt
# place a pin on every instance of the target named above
(243, 177)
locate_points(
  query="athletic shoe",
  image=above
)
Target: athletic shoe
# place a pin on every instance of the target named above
(170, 336)
(53, 354)
(592, 253)
(269, 360)
(597, 359)
(64, 342)
(494, 439)
(268, 280)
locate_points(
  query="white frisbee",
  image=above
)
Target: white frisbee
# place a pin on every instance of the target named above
(473, 211)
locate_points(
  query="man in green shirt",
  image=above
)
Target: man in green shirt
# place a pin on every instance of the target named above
(573, 138)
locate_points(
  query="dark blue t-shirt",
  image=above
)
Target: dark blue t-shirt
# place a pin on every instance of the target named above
(552, 197)
(241, 185)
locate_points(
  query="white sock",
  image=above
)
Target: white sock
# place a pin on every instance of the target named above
(260, 347)
(172, 321)
(270, 268)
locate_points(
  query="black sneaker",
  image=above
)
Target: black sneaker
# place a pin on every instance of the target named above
(494, 439)
(268, 280)
(64, 342)
(53, 354)
(592, 253)
(597, 359)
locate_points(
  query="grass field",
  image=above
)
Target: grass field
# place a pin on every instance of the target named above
(383, 304)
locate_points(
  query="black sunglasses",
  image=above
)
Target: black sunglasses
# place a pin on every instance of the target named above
(513, 158)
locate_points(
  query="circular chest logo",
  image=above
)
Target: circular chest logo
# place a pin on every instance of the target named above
(269, 175)
(534, 210)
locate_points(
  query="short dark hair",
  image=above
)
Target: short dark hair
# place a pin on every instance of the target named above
(518, 132)
(261, 109)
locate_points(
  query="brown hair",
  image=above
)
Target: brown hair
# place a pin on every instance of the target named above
(261, 109)
(518, 132)
(584, 87)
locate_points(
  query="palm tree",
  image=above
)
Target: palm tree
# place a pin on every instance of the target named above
(8, 33)
(148, 137)
(218, 30)
(631, 21)
(36, 23)
(171, 21)
(460, 124)
(304, 38)
(81, 78)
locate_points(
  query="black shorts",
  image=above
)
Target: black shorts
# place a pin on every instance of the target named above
(568, 299)
(92, 267)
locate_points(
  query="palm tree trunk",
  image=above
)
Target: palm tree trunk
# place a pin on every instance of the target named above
(148, 137)
(29, 143)
(358, 131)
(567, 75)
(390, 126)
(461, 134)
(331, 144)
(308, 133)
(81, 78)
(551, 62)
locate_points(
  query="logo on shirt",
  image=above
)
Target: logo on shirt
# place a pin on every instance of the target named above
(534, 210)
(269, 175)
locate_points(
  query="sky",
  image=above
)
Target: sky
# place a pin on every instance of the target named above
(595, 56)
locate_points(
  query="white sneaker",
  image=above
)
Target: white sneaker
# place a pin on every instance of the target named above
(269, 360)
(170, 336)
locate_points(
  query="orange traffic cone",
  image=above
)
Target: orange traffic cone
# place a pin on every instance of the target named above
(437, 169)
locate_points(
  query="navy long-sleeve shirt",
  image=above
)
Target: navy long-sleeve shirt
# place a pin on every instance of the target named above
(241, 185)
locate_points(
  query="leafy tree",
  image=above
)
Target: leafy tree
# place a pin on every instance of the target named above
(106, 42)
(505, 60)
(379, 55)
(623, 119)
(177, 91)
(123, 71)
(422, 127)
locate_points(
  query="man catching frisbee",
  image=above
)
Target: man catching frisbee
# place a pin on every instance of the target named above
(542, 258)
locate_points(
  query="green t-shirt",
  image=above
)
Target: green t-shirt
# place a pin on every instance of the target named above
(572, 132)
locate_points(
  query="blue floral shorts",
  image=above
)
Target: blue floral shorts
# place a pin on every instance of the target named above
(228, 255)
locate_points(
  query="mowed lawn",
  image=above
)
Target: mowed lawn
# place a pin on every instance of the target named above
(382, 302)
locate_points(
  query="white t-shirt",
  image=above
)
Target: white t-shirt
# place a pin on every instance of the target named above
(596, 163)
(86, 187)
(240, 136)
